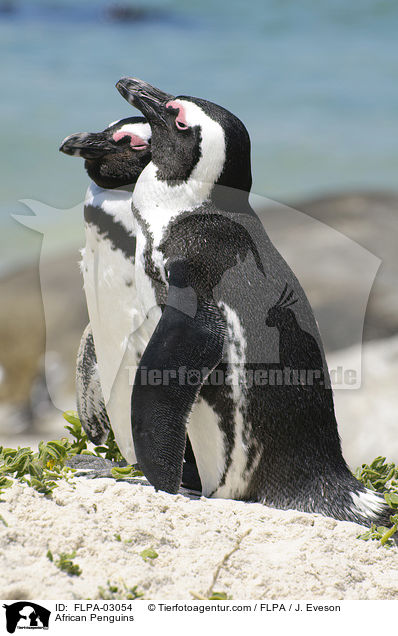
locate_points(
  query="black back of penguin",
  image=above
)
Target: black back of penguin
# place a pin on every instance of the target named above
(291, 455)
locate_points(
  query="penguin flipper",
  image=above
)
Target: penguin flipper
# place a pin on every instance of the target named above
(183, 350)
(90, 402)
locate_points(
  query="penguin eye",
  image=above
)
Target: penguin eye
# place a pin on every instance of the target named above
(180, 120)
(181, 125)
(142, 147)
(135, 142)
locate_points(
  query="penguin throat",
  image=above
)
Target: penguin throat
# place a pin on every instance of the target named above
(103, 176)
(152, 193)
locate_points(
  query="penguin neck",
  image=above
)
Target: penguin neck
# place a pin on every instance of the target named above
(114, 203)
(100, 191)
(151, 192)
(100, 197)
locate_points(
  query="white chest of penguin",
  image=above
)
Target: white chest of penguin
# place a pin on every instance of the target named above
(156, 204)
(154, 207)
(123, 315)
(109, 282)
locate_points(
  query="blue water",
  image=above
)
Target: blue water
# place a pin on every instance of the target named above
(316, 83)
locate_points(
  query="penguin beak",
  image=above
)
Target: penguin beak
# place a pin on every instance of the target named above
(86, 145)
(149, 100)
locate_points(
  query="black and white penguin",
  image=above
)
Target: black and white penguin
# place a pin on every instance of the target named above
(203, 257)
(112, 343)
(114, 158)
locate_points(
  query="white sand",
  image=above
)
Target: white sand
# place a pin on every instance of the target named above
(286, 554)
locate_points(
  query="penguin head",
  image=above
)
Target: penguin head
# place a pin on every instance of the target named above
(116, 156)
(193, 139)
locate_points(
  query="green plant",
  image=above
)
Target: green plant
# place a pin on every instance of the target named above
(381, 533)
(213, 596)
(65, 563)
(123, 472)
(42, 469)
(109, 450)
(149, 554)
(381, 476)
(79, 437)
(114, 592)
(219, 596)
(4, 482)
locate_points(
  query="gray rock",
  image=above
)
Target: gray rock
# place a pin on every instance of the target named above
(369, 219)
(23, 331)
(368, 417)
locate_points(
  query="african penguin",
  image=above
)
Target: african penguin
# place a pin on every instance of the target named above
(114, 158)
(226, 329)
(112, 342)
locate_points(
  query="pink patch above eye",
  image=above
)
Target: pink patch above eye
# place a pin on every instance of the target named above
(135, 141)
(181, 121)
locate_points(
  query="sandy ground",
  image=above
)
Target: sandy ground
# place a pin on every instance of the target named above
(273, 554)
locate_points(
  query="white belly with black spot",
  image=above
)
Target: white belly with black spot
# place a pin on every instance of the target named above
(121, 330)
(206, 436)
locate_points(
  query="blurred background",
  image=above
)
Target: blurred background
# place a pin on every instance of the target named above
(316, 85)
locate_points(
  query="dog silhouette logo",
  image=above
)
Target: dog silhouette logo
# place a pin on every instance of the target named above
(26, 615)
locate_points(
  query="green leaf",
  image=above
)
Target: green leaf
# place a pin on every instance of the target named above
(73, 418)
(4, 482)
(149, 553)
(101, 449)
(115, 592)
(391, 498)
(66, 564)
(121, 472)
(388, 534)
(219, 596)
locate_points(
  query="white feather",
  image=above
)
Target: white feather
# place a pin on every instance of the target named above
(368, 504)
(235, 354)
(207, 444)
(141, 130)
